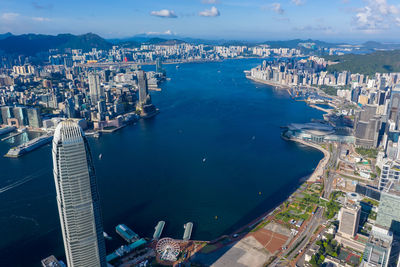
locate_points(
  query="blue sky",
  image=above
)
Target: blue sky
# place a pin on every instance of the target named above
(332, 20)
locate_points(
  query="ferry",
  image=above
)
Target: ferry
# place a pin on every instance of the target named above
(106, 236)
(29, 146)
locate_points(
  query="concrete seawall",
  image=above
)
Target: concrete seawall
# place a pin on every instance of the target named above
(319, 170)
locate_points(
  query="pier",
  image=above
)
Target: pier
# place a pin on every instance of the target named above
(11, 136)
(188, 231)
(7, 129)
(29, 146)
(158, 230)
(126, 233)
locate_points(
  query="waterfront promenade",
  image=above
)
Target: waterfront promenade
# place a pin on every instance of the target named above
(319, 170)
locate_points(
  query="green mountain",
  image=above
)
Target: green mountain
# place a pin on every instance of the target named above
(369, 64)
(30, 44)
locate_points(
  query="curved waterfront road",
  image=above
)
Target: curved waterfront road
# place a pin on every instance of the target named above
(303, 239)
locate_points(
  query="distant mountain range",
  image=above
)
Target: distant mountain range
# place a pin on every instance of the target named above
(31, 44)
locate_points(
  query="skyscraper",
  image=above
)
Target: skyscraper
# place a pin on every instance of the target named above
(144, 97)
(366, 127)
(95, 90)
(349, 217)
(77, 197)
(34, 118)
(159, 67)
(389, 212)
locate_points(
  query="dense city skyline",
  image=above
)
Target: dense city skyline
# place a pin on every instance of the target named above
(339, 20)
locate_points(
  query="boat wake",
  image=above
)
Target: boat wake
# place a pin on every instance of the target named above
(17, 183)
(20, 182)
(35, 222)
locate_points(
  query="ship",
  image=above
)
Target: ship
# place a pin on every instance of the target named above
(29, 146)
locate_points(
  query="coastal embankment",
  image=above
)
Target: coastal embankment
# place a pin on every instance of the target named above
(319, 170)
(274, 84)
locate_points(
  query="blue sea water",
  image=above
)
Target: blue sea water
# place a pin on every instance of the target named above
(214, 150)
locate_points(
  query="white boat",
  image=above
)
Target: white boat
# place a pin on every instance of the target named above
(100, 156)
(204, 159)
(106, 236)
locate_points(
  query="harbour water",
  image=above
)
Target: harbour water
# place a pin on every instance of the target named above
(213, 156)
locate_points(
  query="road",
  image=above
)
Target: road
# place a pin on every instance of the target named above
(331, 167)
(303, 238)
(317, 219)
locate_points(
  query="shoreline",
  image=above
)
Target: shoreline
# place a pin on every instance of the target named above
(319, 170)
(312, 178)
(274, 84)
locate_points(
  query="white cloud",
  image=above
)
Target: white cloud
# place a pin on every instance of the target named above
(277, 7)
(167, 32)
(9, 16)
(376, 15)
(213, 12)
(210, 2)
(298, 2)
(315, 28)
(164, 13)
(40, 19)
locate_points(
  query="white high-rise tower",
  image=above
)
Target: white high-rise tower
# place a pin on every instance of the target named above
(77, 197)
(96, 92)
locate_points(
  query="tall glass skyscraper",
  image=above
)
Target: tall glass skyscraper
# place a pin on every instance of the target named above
(77, 197)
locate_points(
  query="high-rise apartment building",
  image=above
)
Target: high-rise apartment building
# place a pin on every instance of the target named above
(95, 90)
(77, 197)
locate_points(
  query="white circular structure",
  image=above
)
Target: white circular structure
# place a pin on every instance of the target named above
(168, 249)
(354, 196)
